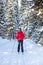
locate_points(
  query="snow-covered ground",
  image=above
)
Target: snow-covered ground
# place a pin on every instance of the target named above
(33, 53)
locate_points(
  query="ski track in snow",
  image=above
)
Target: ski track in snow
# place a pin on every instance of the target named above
(33, 53)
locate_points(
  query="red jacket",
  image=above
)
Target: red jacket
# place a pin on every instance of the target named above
(20, 35)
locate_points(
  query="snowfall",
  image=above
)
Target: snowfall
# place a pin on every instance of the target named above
(33, 53)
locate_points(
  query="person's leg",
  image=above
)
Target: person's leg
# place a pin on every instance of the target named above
(22, 46)
(18, 46)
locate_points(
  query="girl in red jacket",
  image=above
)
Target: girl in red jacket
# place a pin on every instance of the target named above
(20, 36)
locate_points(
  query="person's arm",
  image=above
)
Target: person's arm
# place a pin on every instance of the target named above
(16, 35)
(23, 35)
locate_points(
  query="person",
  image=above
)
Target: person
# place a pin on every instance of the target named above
(20, 36)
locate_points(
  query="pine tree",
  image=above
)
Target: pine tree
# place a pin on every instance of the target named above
(24, 15)
(2, 19)
(11, 17)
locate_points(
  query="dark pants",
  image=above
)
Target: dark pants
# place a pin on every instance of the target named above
(20, 43)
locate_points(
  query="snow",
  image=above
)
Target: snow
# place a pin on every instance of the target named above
(19, 4)
(40, 29)
(33, 53)
(39, 13)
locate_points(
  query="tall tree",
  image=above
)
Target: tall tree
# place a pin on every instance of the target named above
(11, 17)
(2, 18)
